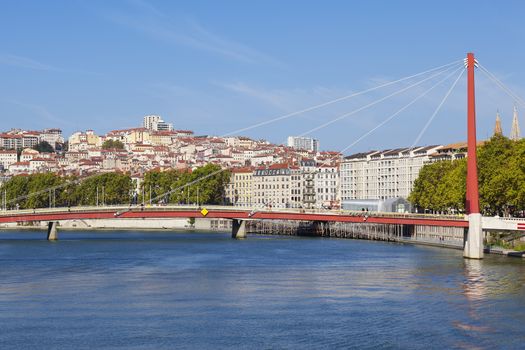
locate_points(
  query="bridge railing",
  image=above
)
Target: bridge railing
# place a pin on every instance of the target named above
(171, 207)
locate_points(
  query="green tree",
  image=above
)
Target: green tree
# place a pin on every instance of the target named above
(432, 189)
(111, 144)
(175, 182)
(110, 188)
(501, 173)
(34, 191)
(44, 147)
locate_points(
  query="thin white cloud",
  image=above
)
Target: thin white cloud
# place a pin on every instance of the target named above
(274, 98)
(25, 62)
(43, 113)
(147, 19)
(29, 63)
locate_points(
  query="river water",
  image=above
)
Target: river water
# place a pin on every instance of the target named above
(153, 290)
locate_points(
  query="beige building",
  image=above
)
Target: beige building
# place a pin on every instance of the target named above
(278, 186)
(82, 141)
(28, 154)
(162, 138)
(239, 191)
(131, 136)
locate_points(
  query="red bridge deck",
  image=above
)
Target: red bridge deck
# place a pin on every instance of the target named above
(60, 214)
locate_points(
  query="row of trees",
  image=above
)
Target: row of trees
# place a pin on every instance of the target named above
(441, 186)
(210, 190)
(48, 189)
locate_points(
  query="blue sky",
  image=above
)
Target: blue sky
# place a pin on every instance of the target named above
(218, 66)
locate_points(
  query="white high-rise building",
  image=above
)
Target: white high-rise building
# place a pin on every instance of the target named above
(156, 123)
(304, 143)
(149, 120)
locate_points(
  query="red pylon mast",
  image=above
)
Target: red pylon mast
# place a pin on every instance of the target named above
(472, 200)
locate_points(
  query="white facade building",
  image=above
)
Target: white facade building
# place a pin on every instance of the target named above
(52, 136)
(156, 123)
(303, 143)
(383, 174)
(7, 158)
(327, 186)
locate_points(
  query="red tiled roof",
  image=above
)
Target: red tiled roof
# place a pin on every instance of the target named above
(242, 170)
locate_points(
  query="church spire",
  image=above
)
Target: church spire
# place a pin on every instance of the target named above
(515, 132)
(497, 128)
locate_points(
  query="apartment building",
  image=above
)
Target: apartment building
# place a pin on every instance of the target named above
(383, 174)
(239, 191)
(278, 186)
(7, 158)
(303, 143)
(327, 186)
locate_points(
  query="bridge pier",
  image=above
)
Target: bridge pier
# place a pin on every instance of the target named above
(473, 239)
(320, 228)
(52, 233)
(238, 229)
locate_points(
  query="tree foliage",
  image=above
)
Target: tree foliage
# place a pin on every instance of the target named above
(441, 186)
(108, 189)
(48, 189)
(18, 187)
(207, 191)
(44, 147)
(112, 144)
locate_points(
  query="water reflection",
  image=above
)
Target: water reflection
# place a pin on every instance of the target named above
(493, 278)
(475, 283)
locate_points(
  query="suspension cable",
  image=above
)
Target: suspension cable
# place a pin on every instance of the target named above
(398, 112)
(436, 111)
(289, 115)
(498, 82)
(346, 115)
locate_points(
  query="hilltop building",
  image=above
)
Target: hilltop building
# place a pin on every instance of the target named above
(156, 123)
(303, 143)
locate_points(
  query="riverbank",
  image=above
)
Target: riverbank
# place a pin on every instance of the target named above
(163, 224)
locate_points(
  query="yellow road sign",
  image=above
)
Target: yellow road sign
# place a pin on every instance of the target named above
(204, 212)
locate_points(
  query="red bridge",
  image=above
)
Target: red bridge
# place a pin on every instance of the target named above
(238, 215)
